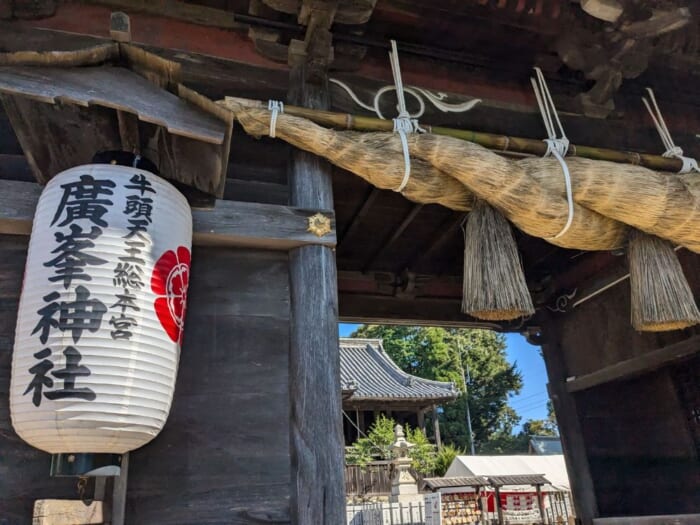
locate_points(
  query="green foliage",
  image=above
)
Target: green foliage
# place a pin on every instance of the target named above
(444, 355)
(445, 457)
(552, 424)
(377, 446)
(539, 427)
(520, 443)
(423, 453)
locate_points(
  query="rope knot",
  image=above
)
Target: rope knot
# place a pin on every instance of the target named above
(403, 123)
(675, 152)
(560, 145)
(556, 146)
(672, 151)
(275, 107)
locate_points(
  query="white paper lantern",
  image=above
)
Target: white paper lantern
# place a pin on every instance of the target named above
(101, 313)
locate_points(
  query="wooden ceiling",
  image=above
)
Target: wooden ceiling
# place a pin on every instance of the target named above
(396, 259)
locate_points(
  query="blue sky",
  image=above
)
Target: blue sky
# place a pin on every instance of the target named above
(531, 403)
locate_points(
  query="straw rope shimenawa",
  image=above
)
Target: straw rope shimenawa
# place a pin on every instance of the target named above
(661, 297)
(494, 286)
(611, 202)
(609, 197)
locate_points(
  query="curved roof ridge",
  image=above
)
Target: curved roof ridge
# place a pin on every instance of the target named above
(406, 385)
(396, 367)
(356, 340)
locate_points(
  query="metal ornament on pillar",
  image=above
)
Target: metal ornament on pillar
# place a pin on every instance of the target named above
(101, 314)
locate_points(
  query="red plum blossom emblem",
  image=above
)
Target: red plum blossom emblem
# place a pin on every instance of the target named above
(171, 275)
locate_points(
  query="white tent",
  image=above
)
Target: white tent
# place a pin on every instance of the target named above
(552, 467)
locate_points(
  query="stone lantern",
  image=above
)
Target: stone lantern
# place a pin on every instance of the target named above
(404, 488)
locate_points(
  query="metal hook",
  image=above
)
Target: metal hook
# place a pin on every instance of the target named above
(82, 483)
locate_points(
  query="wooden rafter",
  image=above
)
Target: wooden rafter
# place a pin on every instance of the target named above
(357, 217)
(637, 365)
(395, 235)
(446, 231)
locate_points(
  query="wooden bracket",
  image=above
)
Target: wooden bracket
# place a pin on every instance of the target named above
(316, 46)
(316, 50)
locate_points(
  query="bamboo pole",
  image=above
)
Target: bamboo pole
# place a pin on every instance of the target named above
(501, 143)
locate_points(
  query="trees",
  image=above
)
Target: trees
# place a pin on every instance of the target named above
(377, 445)
(443, 354)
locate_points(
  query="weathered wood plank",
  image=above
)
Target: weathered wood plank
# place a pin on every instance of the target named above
(84, 131)
(230, 223)
(225, 446)
(245, 182)
(637, 365)
(223, 456)
(255, 225)
(369, 308)
(67, 512)
(114, 88)
(119, 493)
(569, 424)
(678, 519)
(318, 485)
(214, 77)
(24, 471)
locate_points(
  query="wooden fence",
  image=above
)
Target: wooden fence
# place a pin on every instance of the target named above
(373, 479)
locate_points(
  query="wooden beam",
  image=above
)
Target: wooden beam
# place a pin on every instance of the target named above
(393, 284)
(232, 72)
(367, 308)
(129, 131)
(637, 365)
(245, 181)
(569, 425)
(389, 404)
(318, 484)
(408, 219)
(436, 427)
(676, 519)
(230, 223)
(178, 10)
(420, 416)
(119, 493)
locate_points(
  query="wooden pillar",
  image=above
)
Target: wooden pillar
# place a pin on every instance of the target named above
(119, 493)
(360, 423)
(540, 503)
(436, 427)
(420, 416)
(318, 485)
(498, 505)
(569, 427)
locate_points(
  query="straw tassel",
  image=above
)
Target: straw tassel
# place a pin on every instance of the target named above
(494, 286)
(661, 296)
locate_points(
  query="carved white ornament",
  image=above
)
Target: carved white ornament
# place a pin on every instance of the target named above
(436, 99)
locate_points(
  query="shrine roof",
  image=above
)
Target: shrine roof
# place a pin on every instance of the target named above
(367, 368)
